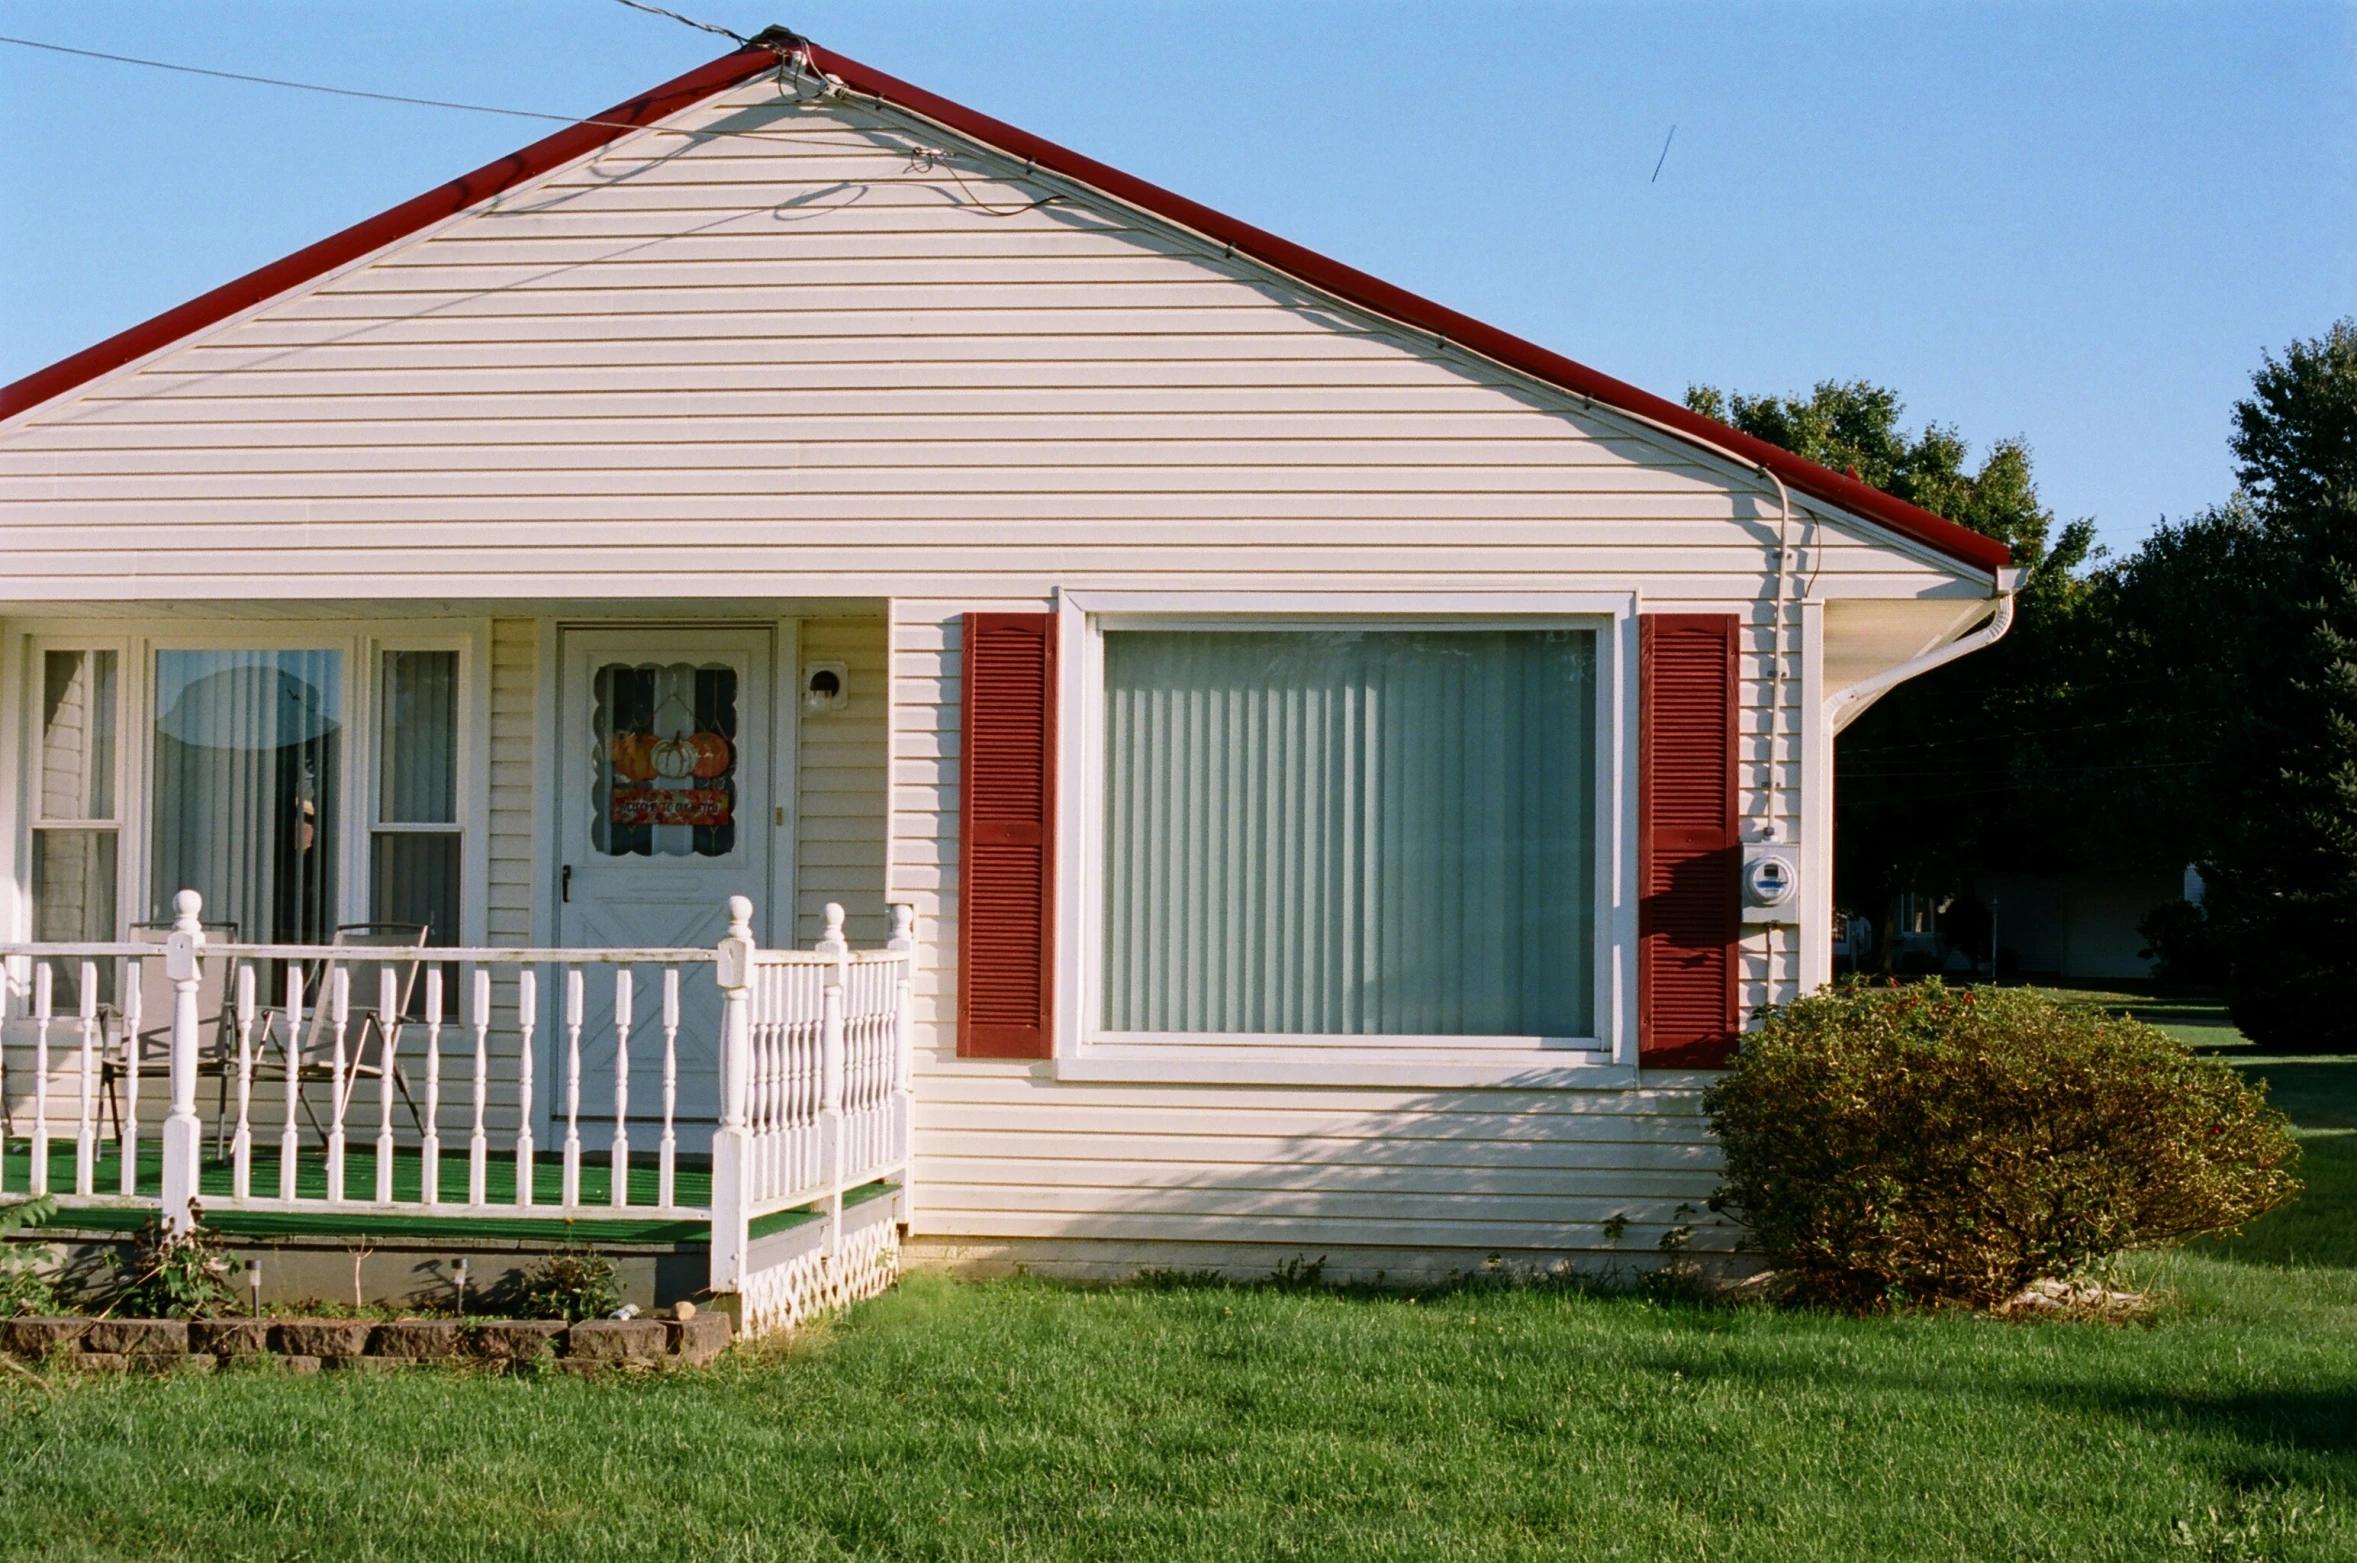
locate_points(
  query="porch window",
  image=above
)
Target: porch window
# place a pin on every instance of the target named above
(248, 773)
(415, 838)
(76, 827)
(1349, 832)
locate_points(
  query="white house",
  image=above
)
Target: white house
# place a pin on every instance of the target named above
(1354, 771)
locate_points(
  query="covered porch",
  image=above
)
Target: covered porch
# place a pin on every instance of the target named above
(449, 895)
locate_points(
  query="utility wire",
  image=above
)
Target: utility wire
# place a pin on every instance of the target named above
(922, 158)
(918, 155)
(656, 10)
(308, 86)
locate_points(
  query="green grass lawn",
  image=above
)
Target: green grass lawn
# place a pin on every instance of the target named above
(1021, 1419)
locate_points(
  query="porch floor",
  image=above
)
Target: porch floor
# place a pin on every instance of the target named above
(214, 1182)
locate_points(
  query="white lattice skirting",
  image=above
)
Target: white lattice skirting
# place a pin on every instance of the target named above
(806, 1280)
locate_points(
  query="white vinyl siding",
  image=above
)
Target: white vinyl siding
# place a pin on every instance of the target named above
(515, 656)
(840, 790)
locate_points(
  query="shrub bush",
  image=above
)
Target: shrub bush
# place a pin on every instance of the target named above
(1919, 1144)
(572, 1284)
(25, 1283)
(173, 1276)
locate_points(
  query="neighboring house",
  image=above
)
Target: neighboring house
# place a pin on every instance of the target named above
(1323, 738)
(2081, 927)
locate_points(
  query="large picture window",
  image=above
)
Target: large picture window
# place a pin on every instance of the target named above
(1349, 832)
(248, 766)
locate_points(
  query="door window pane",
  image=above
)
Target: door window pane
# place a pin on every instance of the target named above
(664, 766)
(418, 739)
(1345, 832)
(248, 759)
(78, 735)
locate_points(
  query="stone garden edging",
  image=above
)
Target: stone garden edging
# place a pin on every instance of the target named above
(100, 1345)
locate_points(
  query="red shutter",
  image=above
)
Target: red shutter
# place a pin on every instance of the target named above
(1689, 862)
(1006, 838)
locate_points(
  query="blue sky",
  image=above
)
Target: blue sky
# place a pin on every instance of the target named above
(2080, 223)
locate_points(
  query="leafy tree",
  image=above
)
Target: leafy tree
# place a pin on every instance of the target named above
(1951, 774)
(2196, 701)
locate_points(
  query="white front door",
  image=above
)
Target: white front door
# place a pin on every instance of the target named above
(664, 812)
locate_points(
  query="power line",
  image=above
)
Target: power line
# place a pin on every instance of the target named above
(656, 10)
(310, 86)
(922, 158)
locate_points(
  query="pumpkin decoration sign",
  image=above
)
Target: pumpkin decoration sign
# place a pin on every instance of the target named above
(665, 764)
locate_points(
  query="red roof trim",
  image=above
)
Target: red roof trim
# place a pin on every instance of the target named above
(1330, 276)
(341, 249)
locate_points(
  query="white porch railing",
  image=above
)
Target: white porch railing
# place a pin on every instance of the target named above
(815, 1095)
(318, 1048)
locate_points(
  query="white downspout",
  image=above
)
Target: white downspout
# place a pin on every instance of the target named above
(1850, 704)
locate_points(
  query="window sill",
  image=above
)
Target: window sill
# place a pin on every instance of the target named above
(1325, 1064)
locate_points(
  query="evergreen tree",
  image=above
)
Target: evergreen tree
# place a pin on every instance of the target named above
(2282, 860)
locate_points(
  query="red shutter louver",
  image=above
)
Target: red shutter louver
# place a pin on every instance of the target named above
(1688, 918)
(1006, 837)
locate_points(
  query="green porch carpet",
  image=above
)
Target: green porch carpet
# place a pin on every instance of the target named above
(213, 1181)
(689, 1188)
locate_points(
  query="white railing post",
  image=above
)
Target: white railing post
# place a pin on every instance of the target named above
(429, 1145)
(183, 951)
(904, 1053)
(830, 1049)
(127, 1114)
(290, 1142)
(527, 1019)
(731, 1211)
(339, 1017)
(576, 1004)
(388, 1035)
(86, 1125)
(241, 1144)
(667, 1153)
(625, 999)
(478, 1143)
(44, 997)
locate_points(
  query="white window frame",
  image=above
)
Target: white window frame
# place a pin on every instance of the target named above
(29, 748)
(470, 820)
(362, 644)
(1084, 1051)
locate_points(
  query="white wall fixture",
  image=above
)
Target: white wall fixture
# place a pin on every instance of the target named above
(826, 686)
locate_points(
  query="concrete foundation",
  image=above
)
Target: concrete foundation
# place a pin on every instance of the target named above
(400, 1272)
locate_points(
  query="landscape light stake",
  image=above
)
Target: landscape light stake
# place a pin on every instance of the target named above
(458, 1274)
(254, 1284)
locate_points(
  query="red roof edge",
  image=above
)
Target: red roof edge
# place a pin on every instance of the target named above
(1329, 276)
(409, 217)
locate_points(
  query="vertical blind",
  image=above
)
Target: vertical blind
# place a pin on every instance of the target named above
(1350, 832)
(417, 741)
(248, 746)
